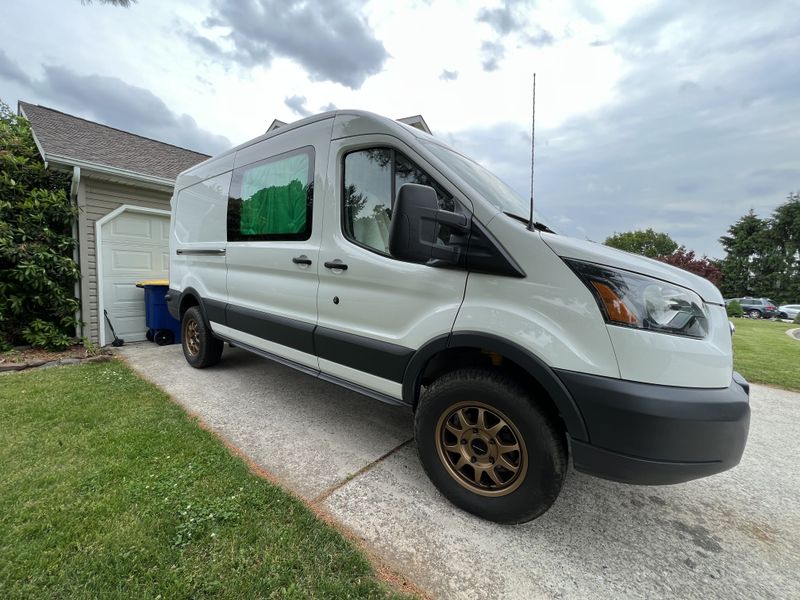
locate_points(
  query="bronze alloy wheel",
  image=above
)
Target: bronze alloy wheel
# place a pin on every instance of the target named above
(191, 334)
(481, 449)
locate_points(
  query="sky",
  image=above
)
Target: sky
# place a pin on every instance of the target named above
(676, 115)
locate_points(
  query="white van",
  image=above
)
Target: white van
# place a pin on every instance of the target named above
(370, 254)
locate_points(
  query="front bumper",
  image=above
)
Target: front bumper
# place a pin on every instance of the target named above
(654, 434)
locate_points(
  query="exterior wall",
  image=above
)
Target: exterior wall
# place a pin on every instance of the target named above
(97, 198)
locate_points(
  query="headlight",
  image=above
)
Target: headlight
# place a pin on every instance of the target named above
(633, 300)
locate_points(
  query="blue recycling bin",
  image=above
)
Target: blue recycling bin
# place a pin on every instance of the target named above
(162, 327)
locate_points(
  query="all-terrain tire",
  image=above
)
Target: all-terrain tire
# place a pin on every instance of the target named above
(200, 347)
(542, 471)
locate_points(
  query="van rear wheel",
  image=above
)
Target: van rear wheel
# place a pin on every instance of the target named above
(488, 447)
(200, 347)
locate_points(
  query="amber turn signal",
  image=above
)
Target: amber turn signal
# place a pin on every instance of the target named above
(615, 307)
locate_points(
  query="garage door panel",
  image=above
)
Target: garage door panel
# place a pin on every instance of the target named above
(124, 296)
(130, 225)
(134, 246)
(131, 260)
(130, 328)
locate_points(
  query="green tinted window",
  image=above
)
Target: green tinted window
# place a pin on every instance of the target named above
(272, 199)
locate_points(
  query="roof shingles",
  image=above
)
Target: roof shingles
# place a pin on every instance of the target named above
(69, 137)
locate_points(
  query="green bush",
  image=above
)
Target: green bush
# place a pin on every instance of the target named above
(734, 309)
(37, 272)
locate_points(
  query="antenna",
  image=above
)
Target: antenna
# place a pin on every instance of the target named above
(531, 225)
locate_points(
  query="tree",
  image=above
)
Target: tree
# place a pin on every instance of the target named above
(37, 272)
(647, 243)
(686, 260)
(785, 237)
(763, 255)
(744, 246)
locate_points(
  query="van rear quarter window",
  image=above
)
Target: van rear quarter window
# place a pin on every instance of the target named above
(271, 199)
(200, 210)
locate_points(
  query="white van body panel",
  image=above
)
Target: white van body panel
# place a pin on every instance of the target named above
(379, 297)
(652, 357)
(261, 274)
(550, 313)
(198, 231)
(605, 255)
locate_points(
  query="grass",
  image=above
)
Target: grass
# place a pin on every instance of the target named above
(108, 489)
(763, 353)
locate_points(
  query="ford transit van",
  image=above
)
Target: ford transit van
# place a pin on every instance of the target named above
(370, 254)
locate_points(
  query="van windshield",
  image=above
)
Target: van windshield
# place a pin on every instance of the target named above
(483, 181)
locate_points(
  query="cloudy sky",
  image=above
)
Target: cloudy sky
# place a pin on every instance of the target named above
(676, 115)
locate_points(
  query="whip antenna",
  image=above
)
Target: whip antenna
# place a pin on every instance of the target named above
(531, 225)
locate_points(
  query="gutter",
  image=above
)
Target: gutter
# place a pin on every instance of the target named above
(105, 169)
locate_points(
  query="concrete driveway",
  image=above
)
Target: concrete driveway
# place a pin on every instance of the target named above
(734, 535)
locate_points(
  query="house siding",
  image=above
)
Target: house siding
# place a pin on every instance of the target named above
(96, 199)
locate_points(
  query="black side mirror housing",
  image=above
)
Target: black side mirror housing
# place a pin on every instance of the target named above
(415, 225)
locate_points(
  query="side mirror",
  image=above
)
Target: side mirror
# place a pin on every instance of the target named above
(416, 222)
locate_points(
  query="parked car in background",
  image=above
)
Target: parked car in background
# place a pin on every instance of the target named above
(757, 308)
(788, 311)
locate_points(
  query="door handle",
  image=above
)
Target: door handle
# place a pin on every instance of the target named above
(301, 260)
(336, 264)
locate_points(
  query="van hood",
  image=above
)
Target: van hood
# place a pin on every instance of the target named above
(567, 247)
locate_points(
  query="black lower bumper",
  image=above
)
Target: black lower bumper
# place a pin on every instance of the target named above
(653, 434)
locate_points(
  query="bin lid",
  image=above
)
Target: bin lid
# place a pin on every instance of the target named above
(147, 282)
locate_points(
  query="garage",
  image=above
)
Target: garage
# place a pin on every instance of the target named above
(121, 188)
(134, 245)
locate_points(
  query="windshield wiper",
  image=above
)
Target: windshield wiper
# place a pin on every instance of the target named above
(536, 224)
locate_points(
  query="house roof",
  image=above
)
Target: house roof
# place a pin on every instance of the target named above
(69, 140)
(416, 121)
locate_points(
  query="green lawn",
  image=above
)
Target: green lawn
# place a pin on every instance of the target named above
(763, 353)
(107, 489)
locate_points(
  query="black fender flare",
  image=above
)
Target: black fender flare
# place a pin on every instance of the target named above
(538, 369)
(175, 301)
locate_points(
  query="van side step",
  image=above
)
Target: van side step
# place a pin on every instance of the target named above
(315, 372)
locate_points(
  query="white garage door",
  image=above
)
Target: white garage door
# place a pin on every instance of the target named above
(135, 246)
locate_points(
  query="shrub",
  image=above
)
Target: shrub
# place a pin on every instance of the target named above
(37, 272)
(734, 309)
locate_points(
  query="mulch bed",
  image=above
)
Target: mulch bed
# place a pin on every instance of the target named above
(26, 357)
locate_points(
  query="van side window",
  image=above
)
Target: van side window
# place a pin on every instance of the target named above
(272, 199)
(372, 178)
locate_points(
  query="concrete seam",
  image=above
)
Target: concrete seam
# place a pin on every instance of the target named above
(327, 493)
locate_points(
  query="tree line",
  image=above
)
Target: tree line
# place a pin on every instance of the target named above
(762, 256)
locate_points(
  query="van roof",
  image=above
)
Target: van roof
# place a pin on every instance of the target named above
(382, 125)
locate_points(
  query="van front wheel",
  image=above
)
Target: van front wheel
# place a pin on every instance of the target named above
(200, 347)
(488, 447)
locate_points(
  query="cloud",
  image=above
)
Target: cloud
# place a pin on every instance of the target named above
(328, 107)
(448, 75)
(491, 55)
(539, 37)
(10, 71)
(503, 19)
(333, 42)
(701, 131)
(111, 101)
(512, 18)
(298, 105)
